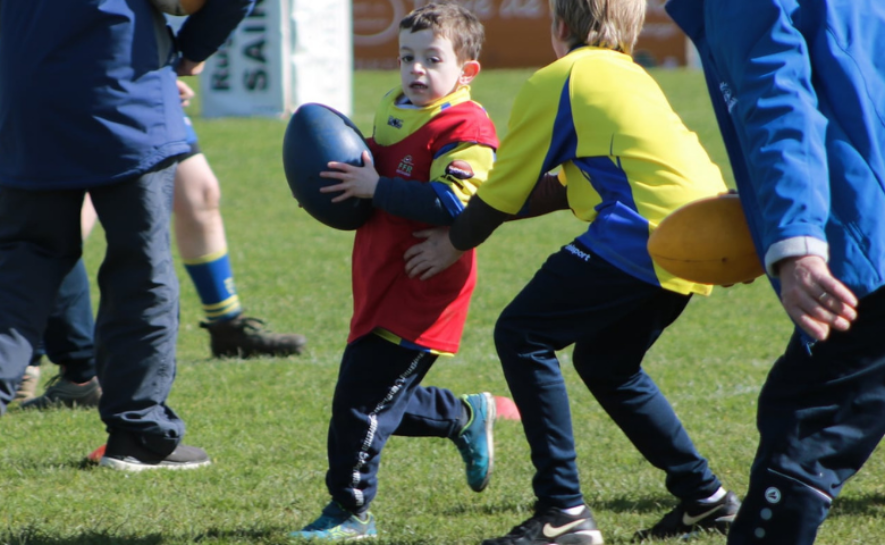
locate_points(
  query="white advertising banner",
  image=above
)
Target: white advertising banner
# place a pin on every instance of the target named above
(284, 54)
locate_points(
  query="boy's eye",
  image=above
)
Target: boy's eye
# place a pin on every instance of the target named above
(407, 58)
(434, 60)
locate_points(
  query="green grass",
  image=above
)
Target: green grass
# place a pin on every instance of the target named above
(264, 421)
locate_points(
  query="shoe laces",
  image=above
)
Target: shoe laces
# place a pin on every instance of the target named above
(52, 384)
(251, 323)
(529, 527)
(242, 323)
(333, 515)
(325, 522)
(673, 519)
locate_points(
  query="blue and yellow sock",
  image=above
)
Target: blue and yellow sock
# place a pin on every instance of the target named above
(214, 280)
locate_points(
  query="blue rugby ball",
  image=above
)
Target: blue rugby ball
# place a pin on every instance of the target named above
(316, 135)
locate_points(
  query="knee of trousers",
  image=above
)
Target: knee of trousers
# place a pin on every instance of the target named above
(779, 510)
(510, 337)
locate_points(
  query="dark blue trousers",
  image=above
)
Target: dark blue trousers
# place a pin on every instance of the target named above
(821, 414)
(378, 394)
(68, 339)
(612, 319)
(136, 328)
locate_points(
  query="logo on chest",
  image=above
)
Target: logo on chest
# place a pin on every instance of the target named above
(405, 167)
(395, 122)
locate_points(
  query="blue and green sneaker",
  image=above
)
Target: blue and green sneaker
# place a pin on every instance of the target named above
(475, 442)
(338, 524)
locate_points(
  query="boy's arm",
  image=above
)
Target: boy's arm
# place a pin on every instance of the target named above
(540, 112)
(480, 220)
(455, 176)
(541, 137)
(548, 196)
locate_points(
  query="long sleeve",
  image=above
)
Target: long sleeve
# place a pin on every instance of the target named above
(455, 175)
(204, 32)
(765, 65)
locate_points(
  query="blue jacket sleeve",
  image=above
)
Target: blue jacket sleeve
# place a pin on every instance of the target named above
(767, 85)
(205, 31)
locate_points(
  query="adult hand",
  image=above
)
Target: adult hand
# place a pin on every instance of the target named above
(814, 298)
(355, 181)
(432, 256)
(187, 67)
(185, 93)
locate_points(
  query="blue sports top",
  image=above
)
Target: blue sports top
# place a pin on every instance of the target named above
(627, 159)
(88, 94)
(798, 87)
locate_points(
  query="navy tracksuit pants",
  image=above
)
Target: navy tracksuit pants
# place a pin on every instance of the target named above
(378, 394)
(821, 414)
(137, 324)
(612, 319)
(68, 339)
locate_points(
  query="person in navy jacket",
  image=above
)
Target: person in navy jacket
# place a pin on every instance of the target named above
(798, 87)
(89, 103)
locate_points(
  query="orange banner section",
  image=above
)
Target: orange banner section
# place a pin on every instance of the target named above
(517, 33)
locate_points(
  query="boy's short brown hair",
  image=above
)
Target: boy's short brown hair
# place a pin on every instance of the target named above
(451, 20)
(613, 24)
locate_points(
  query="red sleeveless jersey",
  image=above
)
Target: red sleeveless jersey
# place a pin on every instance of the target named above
(429, 313)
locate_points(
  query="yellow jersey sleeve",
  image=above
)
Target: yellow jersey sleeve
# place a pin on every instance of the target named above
(521, 157)
(463, 169)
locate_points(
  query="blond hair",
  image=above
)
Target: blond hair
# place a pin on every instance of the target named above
(451, 20)
(613, 24)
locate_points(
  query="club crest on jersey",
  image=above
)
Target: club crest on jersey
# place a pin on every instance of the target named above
(405, 166)
(459, 169)
(394, 122)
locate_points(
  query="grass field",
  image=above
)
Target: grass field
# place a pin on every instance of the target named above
(264, 421)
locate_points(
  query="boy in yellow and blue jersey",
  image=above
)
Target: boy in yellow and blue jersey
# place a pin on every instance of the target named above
(626, 161)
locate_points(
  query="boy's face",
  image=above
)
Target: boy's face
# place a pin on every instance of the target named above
(429, 68)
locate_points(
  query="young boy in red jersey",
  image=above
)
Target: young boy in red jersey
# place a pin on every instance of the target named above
(432, 147)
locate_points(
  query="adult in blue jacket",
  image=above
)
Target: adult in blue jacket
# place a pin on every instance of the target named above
(798, 87)
(88, 103)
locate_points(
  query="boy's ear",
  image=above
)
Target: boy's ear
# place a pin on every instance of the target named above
(469, 70)
(561, 31)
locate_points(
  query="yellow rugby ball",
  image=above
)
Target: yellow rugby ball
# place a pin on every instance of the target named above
(708, 242)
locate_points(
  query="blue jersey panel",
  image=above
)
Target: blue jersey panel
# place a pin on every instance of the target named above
(620, 233)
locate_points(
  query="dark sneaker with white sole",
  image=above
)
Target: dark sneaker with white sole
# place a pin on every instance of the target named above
(125, 453)
(691, 517)
(553, 526)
